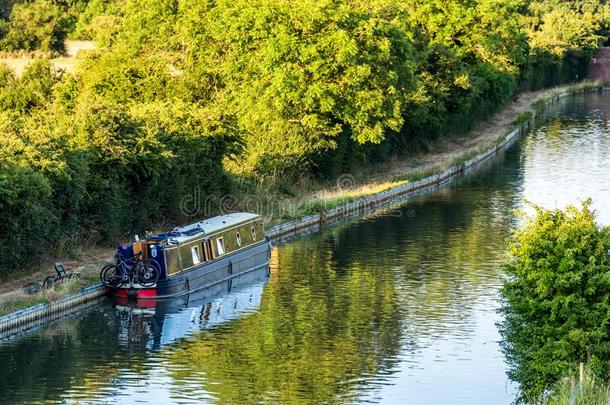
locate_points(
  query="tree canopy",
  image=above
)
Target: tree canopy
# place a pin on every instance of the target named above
(557, 299)
(180, 91)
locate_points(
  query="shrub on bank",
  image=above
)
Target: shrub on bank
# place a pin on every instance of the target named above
(77, 168)
(40, 25)
(557, 299)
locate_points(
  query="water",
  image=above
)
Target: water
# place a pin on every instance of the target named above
(398, 308)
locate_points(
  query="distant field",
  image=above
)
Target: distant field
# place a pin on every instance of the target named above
(67, 63)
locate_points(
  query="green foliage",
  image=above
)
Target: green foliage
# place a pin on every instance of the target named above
(563, 36)
(24, 213)
(271, 90)
(40, 25)
(320, 67)
(557, 299)
(556, 26)
(98, 21)
(5, 9)
(80, 164)
(523, 118)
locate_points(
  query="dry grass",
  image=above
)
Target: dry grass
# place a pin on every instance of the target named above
(357, 191)
(68, 62)
(329, 198)
(592, 391)
(17, 299)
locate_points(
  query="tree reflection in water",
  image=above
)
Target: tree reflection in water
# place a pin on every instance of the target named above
(396, 306)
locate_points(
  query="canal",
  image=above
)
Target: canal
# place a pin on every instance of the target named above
(400, 307)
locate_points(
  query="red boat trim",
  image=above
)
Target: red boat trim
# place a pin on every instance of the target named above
(146, 293)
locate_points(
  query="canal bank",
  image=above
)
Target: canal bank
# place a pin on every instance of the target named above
(468, 163)
(464, 164)
(397, 307)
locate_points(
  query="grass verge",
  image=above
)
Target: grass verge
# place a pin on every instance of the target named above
(19, 300)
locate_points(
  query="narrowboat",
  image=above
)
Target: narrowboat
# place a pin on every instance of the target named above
(192, 257)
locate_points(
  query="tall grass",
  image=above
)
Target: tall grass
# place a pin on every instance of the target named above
(592, 391)
(19, 300)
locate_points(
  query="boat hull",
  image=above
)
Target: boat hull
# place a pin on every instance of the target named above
(206, 275)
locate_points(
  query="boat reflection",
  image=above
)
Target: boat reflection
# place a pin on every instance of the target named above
(150, 324)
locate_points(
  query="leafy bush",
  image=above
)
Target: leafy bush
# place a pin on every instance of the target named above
(78, 167)
(27, 220)
(557, 299)
(40, 25)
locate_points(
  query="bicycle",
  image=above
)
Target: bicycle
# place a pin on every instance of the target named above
(133, 271)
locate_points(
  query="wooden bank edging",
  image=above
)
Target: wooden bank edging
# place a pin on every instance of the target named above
(22, 320)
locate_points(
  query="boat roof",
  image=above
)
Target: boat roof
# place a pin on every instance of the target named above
(206, 227)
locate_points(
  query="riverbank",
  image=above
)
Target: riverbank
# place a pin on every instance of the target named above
(86, 261)
(448, 152)
(398, 177)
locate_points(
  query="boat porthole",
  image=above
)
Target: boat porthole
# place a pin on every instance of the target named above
(238, 239)
(253, 233)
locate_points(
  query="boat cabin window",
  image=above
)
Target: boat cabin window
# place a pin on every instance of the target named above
(253, 231)
(207, 249)
(220, 245)
(238, 238)
(172, 264)
(195, 254)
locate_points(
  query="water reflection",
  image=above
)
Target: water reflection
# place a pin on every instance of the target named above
(110, 350)
(152, 324)
(322, 329)
(398, 308)
(567, 159)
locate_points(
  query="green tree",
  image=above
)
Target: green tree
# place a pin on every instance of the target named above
(556, 27)
(80, 159)
(285, 88)
(37, 25)
(296, 74)
(557, 298)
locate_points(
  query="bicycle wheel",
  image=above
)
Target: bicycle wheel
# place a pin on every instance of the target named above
(110, 276)
(148, 274)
